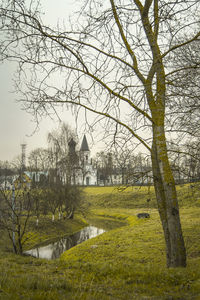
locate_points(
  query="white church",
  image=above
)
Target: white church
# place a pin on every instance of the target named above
(82, 172)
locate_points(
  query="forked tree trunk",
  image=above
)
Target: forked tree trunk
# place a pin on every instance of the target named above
(20, 250)
(167, 201)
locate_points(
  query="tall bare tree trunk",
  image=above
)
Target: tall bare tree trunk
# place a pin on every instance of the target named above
(167, 201)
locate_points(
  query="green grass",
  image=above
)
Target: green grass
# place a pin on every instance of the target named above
(131, 197)
(136, 196)
(126, 262)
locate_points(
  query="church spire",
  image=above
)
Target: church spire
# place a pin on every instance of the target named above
(84, 145)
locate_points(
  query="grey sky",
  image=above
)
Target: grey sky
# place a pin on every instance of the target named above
(16, 126)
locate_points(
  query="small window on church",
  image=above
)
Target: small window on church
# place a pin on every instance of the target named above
(86, 157)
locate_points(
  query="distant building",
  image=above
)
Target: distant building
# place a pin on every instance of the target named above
(6, 182)
(18, 181)
(78, 168)
(22, 181)
(82, 171)
(37, 177)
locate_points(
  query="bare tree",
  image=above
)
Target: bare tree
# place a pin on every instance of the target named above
(184, 89)
(72, 197)
(37, 204)
(185, 161)
(58, 144)
(178, 163)
(112, 63)
(6, 172)
(103, 163)
(38, 160)
(62, 198)
(192, 160)
(184, 109)
(15, 212)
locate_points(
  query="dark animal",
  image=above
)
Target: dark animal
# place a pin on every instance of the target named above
(143, 215)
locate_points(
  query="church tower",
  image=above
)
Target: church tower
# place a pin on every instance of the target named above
(88, 173)
(72, 152)
(72, 146)
(85, 152)
(72, 162)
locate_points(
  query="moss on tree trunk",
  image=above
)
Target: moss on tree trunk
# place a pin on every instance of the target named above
(167, 201)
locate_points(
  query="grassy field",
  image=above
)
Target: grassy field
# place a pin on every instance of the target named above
(126, 262)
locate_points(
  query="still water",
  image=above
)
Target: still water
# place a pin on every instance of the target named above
(54, 250)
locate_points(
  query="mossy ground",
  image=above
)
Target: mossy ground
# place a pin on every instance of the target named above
(127, 262)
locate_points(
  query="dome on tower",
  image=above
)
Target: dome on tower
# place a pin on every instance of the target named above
(72, 143)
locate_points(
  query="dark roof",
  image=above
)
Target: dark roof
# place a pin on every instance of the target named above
(84, 145)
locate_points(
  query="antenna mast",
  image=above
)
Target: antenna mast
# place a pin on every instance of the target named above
(23, 157)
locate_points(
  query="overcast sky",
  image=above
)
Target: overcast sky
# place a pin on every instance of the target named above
(17, 126)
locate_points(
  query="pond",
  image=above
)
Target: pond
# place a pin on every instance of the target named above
(55, 249)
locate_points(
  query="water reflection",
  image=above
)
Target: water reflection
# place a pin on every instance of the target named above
(54, 250)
